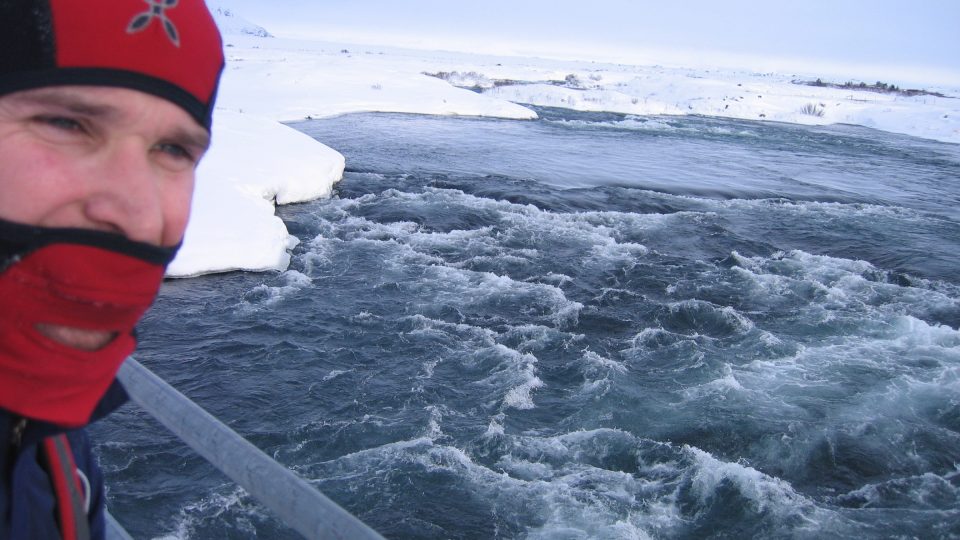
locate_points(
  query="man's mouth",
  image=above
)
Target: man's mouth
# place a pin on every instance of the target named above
(77, 338)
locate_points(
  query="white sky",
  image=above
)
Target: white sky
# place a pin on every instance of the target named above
(907, 42)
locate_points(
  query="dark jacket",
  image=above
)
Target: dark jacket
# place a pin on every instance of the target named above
(27, 500)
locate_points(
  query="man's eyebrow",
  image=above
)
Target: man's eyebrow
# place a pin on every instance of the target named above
(199, 138)
(68, 101)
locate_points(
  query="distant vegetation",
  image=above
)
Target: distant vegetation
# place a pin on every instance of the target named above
(813, 109)
(879, 86)
(467, 79)
(478, 81)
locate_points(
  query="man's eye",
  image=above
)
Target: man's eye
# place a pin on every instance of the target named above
(176, 151)
(62, 123)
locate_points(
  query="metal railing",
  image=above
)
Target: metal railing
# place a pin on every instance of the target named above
(115, 531)
(291, 498)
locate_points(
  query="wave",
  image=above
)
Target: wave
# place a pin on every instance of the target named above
(585, 484)
(661, 124)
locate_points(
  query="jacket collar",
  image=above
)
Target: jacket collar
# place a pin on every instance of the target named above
(37, 430)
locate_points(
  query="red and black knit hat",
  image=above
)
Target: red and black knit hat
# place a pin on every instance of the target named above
(168, 48)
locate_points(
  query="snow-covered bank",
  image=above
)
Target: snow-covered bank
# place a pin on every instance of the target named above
(292, 80)
(253, 163)
(776, 98)
(256, 161)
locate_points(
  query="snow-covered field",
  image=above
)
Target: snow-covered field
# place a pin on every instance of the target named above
(256, 161)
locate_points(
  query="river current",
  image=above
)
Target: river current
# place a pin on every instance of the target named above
(583, 326)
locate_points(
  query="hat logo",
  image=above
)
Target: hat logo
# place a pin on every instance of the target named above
(157, 10)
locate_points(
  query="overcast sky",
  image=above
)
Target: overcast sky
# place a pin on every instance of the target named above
(896, 38)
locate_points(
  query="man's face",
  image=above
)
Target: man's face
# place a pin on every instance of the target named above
(101, 158)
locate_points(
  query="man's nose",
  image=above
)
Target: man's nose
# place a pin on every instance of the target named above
(126, 195)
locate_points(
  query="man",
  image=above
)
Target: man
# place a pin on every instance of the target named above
(105, 110)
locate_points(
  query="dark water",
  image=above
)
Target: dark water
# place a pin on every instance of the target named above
(586, 326)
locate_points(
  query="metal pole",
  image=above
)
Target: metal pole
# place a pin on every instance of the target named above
(115, 531)
(298, 504)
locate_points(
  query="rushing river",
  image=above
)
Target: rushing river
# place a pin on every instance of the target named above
(585, 326)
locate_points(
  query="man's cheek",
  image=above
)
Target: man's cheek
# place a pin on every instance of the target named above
(178, 213)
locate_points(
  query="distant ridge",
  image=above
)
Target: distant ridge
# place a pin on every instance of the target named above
(232, 24)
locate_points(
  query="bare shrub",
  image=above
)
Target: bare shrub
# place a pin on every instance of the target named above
(813, 109)
(573, 81)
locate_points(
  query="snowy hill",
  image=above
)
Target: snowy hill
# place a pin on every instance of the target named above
(230, 23)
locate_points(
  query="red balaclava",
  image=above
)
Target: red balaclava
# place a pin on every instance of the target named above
(74, 277)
